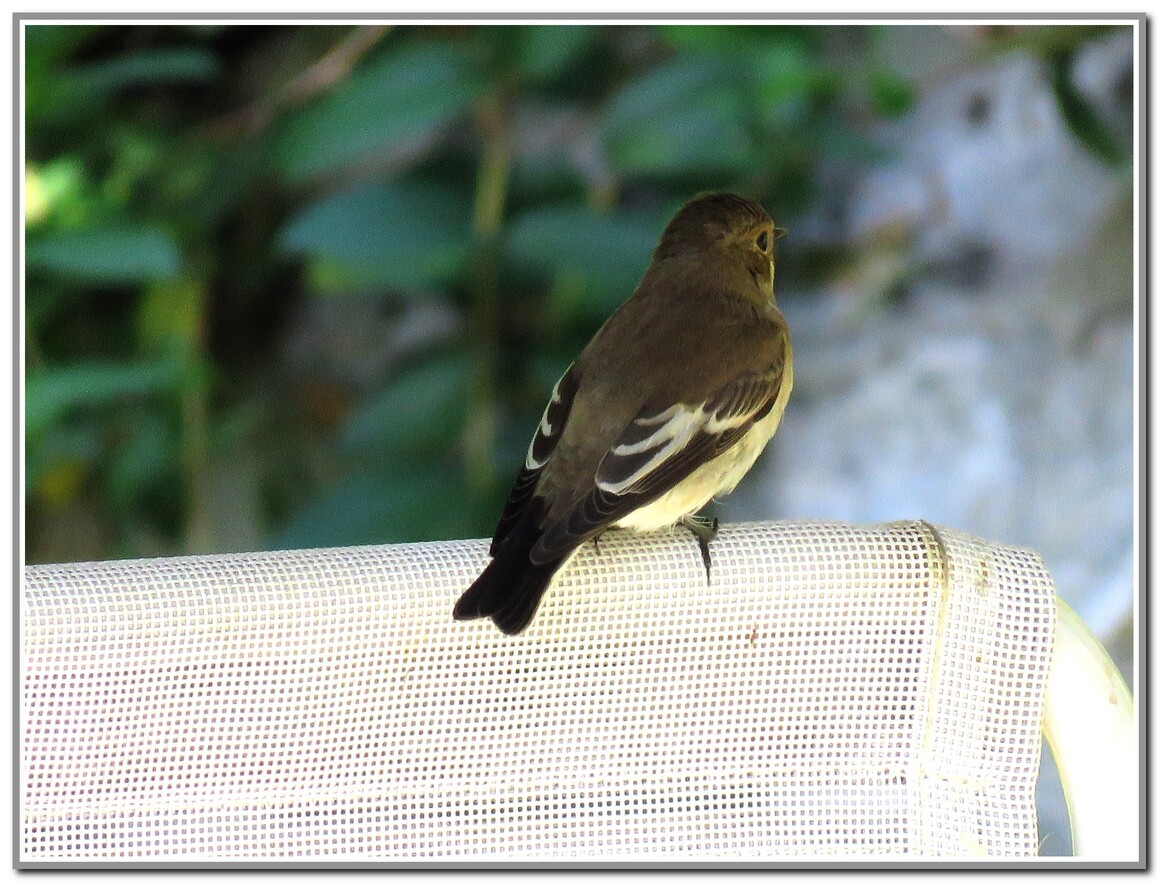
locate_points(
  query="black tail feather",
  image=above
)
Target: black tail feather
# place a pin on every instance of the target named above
(509, 591)
(517, 610)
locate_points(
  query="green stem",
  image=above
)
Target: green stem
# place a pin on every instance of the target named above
(490, 201)
(195, 457)
(195, 426)
(494, 169)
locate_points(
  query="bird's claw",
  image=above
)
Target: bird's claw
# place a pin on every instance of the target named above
(704, 531)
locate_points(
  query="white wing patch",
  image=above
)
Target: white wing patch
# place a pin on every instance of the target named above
(675, 428)
(544, 432)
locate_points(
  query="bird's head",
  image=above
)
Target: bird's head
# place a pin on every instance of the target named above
(731, 235)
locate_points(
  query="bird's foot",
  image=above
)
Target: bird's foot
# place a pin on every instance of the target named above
(705, 531)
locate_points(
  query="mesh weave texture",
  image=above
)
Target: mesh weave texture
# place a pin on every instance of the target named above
(837, 691)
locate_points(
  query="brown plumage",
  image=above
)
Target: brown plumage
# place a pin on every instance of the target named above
(666, 407)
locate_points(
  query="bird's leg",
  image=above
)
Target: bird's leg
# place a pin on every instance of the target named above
(596, 540)
(705, 531)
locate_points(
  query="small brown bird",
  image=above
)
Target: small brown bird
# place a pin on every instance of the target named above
(668, 406)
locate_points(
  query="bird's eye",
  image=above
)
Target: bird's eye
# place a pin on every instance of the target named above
(763, 241)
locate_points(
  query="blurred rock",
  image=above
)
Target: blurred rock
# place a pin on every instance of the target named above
(996, 396)
(985, 157)
(929, 411)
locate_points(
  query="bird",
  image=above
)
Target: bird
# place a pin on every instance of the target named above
(667, 407)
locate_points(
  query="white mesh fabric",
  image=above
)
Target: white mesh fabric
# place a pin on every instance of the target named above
(837, 691)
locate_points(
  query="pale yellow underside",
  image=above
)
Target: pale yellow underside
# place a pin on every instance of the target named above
(716, 477)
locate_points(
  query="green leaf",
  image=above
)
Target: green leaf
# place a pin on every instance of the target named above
(547, 51)
(120, 253)
(47, 45)
(783, 71)
(419, 413)
(75, 97)
(596, 259)
(702, 139)
(52, 393)
(1080, 117)
(148, 67)
(892, 95)
(401, 505)
(700, 38)
(404, 233)
(149, 454)
(545, 178)
(684, 118)
(397, 98)
(657, 93)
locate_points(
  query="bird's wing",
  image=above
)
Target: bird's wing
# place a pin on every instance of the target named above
(659, 449)
(538, 453)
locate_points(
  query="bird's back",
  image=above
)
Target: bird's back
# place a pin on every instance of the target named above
(677, 341)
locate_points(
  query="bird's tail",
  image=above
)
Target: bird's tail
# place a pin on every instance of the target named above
(509, 590)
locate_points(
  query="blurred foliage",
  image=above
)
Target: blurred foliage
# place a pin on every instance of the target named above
(293, 286)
